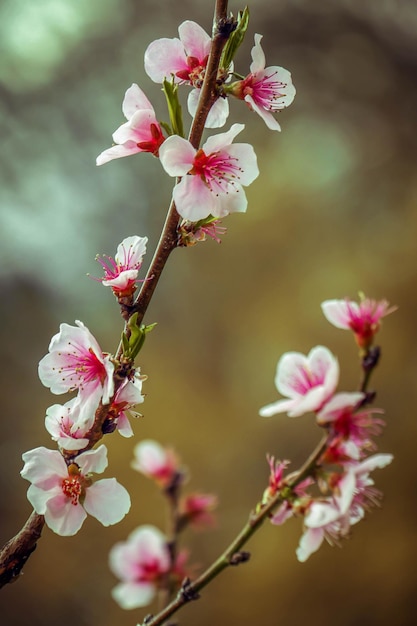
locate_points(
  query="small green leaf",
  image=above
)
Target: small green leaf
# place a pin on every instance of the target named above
(170, 90)
(235, 39)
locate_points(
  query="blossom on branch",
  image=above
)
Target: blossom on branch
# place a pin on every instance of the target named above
(266, 90)
(331, 518)
(212, 177)
(62, 422)
(196, 509)
(127, 396)
(65, 494)
(155, 461)
(121, 272)
(75, 361)
(185, 59)
(142, 563)
(363, 318)
(308, 381)
(141, 133)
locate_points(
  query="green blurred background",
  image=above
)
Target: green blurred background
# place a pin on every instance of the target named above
(333, 212)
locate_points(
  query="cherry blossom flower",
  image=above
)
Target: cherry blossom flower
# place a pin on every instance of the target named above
(363, 318)
(212, 177)
(196, 509)
(121, 272)
(308, 381)
(65, 494)
(141, 563)
(141, 132)
(185, 59)
(266, 89)
(348, 423)
(331, 518)
(156, 462)
(75, 361)
(62, 422)
(127, 396)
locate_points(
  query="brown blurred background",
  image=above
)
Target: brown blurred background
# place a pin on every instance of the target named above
(333, 212)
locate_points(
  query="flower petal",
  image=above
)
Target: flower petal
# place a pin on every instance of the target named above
(177, 156)
(164, 57)
(107, 501)
(132, 595)
(135, 100)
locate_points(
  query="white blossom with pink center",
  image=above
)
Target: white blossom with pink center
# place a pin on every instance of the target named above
(346, 421)
(155, 461)
(266, 90)
(127, 396)
(308, 381)
(331, 518)
(140, 563)
(185, 59)
(75, 361)
(363, 318)
(141, 133)
(62, 423)
(121, 272)
(212, 177)
(65, 494)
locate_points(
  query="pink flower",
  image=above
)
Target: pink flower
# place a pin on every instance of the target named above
(308, 381)
(141, 563)
(348, 423)
(65, 494)
(62, 423)
(363, 318)
(156, 462)
(196, 509)
(331, 518)
(266, 89)
(121, 272)
(141, 133)
(185, 59)
(127, 396)
(75, 361)
(212, 177)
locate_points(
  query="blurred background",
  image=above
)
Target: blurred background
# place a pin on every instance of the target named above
(333, 212)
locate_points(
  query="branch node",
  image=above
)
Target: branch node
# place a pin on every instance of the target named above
(187, 592)
(239, 557)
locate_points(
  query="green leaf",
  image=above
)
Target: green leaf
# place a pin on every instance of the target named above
(235, 39)
(170, 90)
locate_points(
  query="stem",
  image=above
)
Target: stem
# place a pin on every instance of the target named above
(232, 554)
(17, 550)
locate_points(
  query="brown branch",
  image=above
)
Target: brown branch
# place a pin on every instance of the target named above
(17, 550)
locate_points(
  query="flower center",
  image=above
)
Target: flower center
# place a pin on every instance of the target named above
(218, 170)
(72, 488)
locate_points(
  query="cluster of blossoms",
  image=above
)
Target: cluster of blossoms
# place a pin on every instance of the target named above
(342, 474)
(62, 488)
(211, 178)
(145, 561)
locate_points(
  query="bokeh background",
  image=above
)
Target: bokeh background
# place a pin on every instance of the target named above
(333, 212)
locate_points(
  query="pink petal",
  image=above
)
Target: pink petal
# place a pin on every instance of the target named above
(107, 501)
(281, 406)
(164, 57)
(123, 425)
(246, 156)
(337, 312)
(131, 251)
(195, 40)
(258, 56)
(117, 152)
(232, 201)
(267, 117)
(290, 377)
(132, 595)
(218, 142)
(93, 460)
(135, 100)
(43, 467)
(193, 199)
(63, 517)
(177, 156)
(310, 542)
(218, 114)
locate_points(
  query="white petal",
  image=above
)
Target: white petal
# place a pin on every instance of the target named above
(258, 56)
(135, 100)
(63, 517)
(132, 595)
(107, 501)
(222, 140)
(193, 199)
(177, 156)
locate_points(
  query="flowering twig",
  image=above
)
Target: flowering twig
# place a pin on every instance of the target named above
(233, 554)
(15, 552)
